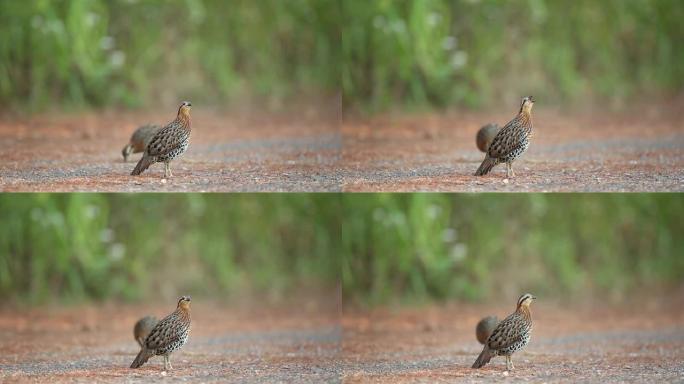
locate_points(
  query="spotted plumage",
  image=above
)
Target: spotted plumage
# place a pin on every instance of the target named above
(169, 143)
(143, 328)
(169, 335)
(511, 141)
(139, 140)
(511, 335)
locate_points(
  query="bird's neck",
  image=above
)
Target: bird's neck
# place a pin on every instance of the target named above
(525, 117)
(525, 311)
(183, 313)
(184, 119)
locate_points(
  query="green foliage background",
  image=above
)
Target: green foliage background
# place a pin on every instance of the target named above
(474, 52)
(128, 52)
(377, 53)
(410, 247)
(382, 247)
(78, 246)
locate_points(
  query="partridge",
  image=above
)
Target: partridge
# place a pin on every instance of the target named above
(169, 143)
(169, 335)
(143, 328)
(511, 335)
(139, 140)
(511, 141)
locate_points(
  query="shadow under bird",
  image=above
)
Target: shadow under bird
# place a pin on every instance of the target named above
(511, 141)
(511, 335)
(139, 140)
(169, 143)
(168, 336)
(143, 328)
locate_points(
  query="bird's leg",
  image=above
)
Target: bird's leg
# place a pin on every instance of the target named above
(509, 169)
(167, 363)
(167, 169)
(509, 363)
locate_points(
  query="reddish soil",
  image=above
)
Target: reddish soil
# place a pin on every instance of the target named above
(309, 342)
(236, 151)
(574, 152)
(313, 150)
(227, 344)
(438, 345)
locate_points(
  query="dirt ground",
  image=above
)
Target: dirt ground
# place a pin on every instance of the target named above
(312, 342)
(314, 150)
(575, 152)
(229, 151)
(226, 344)
(437, 344)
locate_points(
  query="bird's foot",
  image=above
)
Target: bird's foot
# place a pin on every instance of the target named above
(509, 364)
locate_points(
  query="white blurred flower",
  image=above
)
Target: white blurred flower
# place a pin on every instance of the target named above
(459, 59)
(91, 211)
(449, 43)
(106, 235)
(91, 19)
(107, 43)
(117, 251)
(458, 252)
(56, 26)
(433, 211)
(398, 26)
(397, 219)
(449, 235)
(433, 19)
(56, 219)
(117, 59)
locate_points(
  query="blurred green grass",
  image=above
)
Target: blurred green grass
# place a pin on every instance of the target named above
(97, 246)
(130, 52)
(416, 247)
(377, 53)
(380, 247)
(471, 53)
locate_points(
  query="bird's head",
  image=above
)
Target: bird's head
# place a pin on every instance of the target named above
(184, 109)
(525, 300)
(184, 302)
(526, 104)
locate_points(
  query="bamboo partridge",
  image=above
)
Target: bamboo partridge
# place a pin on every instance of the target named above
(511, 335)
(169, 143)
(511, 141)
(169, 335)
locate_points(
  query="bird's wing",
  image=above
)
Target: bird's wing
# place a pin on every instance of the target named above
(162, 334)
(507, 140)
(167, 139)
(506, 333)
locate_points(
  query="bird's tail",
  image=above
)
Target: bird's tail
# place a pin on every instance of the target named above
(126, 151)
(487, 164)
(484, 358)
(142, 358)
(143, 164)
